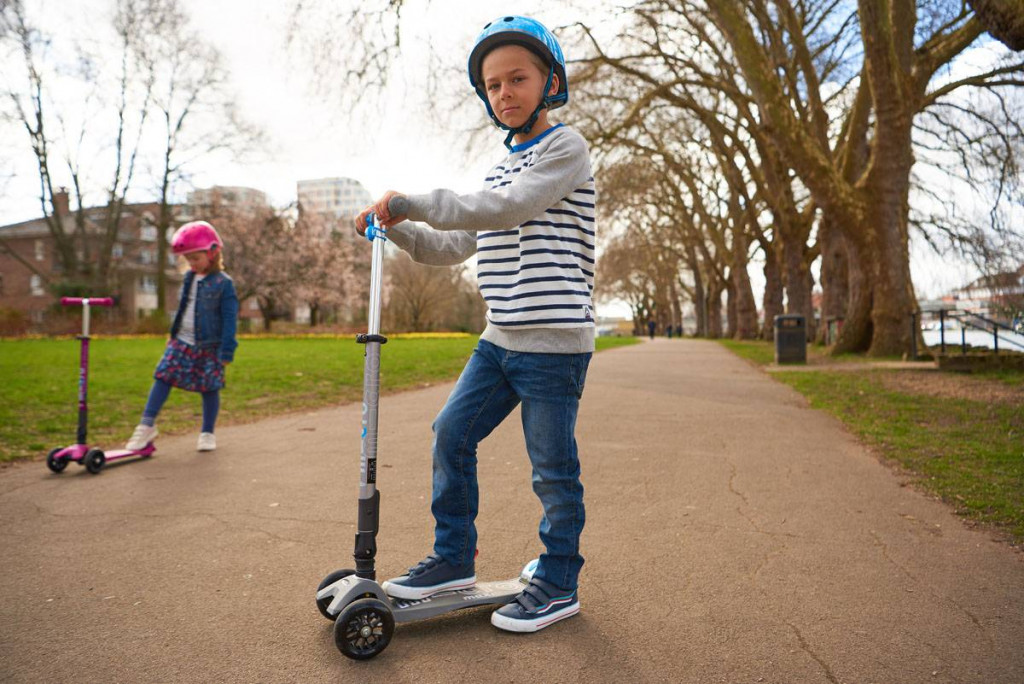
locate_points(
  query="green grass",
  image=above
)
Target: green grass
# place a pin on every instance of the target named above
(761, 353)
(1013, 378)
(270, 376)
(969, 453)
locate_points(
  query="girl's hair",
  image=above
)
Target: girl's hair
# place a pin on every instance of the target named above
(217, 262)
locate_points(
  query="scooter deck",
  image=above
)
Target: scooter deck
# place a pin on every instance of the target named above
(483, 594)
(145, 451)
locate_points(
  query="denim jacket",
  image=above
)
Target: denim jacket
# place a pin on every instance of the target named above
(216, 313)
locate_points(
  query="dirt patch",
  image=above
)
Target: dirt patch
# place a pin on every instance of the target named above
(952, 386)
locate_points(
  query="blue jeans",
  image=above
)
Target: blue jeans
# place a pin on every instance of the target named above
(158, 395)
(493, 383)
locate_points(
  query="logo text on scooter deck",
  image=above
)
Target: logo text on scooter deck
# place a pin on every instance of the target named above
(409, 604)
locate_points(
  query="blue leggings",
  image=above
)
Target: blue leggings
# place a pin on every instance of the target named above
(158, 395)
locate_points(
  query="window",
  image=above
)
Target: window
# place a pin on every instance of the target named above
(148, 284)
(117, 251)
(147, 256)
(40, 250)
(35, 285)
(148, 233)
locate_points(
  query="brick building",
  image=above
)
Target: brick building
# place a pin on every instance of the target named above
(1000, 295)
(27, 290)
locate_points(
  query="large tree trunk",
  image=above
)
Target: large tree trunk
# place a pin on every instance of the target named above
(267, 307)
(162, 226)
(714, 308)
(886, 192)
(857, 325)
(700, 297)
(742, 293)
(773, 295)
(730, 308)
(835, 287)
(797, 278)
(1003, 19)
(675, 303)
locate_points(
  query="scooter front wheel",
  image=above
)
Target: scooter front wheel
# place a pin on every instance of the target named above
(94, 461)
(364, 628)
(54, 463)
(322, 604)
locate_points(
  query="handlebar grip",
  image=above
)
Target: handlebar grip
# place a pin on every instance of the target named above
(398, 206)
(91, 301)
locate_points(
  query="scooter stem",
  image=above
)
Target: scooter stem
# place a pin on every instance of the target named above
(83, 370)
(83, 377)
(369, 497)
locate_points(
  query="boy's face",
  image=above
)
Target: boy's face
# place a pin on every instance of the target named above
(514, 83)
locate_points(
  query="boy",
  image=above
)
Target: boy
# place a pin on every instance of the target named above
(533, 230)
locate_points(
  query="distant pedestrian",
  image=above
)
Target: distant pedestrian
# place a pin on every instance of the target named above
(202, 340)
(668, 330)
(651, 325)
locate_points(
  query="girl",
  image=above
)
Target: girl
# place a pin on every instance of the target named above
(202, 336)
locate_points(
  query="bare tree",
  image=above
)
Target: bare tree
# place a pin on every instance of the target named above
(423, 298)
(33, 106)
(810, 153)
(872, 208)
(193, 105)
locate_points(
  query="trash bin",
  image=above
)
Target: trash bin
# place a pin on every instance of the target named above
(790, 339)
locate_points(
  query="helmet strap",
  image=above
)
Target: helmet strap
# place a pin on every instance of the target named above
(528, 126)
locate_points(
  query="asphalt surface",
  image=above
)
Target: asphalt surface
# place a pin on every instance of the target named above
(733, 535)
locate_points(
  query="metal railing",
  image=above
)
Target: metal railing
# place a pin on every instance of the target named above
(966, 319)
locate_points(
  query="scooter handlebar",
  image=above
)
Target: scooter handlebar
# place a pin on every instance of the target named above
(397, 206)
(88, 301)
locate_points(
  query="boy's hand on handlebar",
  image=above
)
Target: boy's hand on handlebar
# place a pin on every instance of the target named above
(380, 208)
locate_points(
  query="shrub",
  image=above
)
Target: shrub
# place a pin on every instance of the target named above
(12, 322)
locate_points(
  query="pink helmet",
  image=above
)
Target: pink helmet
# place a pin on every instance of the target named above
(195, 236)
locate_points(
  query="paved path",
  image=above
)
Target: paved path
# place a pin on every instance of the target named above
(733, 535)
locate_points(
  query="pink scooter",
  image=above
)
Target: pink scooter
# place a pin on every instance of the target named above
(92, 458)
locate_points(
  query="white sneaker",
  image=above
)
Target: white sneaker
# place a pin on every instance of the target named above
(207, 442)
(143, 435)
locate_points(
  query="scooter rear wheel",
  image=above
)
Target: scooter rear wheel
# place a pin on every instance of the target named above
(94, 460)
(322, 604)
(55, 464)
(364, 628)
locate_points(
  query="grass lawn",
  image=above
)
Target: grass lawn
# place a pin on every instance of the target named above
(968, 452)
(38, 404)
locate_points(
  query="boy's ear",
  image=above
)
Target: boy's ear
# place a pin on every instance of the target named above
(554, 85)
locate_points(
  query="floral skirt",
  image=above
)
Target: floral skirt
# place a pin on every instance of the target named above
(190, 368)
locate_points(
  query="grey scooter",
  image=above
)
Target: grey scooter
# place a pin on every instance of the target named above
(364, 616)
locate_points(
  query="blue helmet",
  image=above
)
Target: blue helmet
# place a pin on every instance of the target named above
(532, 35)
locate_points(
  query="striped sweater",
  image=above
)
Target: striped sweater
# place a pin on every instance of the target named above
(532, 228)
